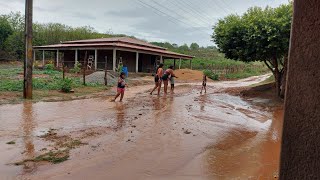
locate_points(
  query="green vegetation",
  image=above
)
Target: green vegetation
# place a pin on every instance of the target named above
(49, 67)
(73, 144)
(5, 30)
(48, 79)
(66, 85)
(62, 147)
(258, 35)
(12, 35)
(209, 59)
(54, 157)
(77, 68)
(211, 74)
(11, 142)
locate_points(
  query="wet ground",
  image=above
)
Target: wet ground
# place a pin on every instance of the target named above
(184, 135)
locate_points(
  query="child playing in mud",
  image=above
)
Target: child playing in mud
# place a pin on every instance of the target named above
(165, 78)
(204, 84)
(172, 83)
(121, 87)
(157, 79)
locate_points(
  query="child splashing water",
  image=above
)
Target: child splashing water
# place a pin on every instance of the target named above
(121, 87)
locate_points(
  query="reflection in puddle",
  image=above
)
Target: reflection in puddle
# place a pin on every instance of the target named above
(28, 126)
(120, 115)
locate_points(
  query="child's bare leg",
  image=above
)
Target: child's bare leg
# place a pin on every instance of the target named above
(155, 87)
(159, 88)
(118, 94)
(205, 89)
(165, 87)
(121, 97)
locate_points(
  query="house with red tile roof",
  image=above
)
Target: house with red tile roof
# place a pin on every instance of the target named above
(136, 55)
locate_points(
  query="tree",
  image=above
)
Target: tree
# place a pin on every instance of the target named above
(258, 35)
(5, 31)
(194, 46)
(12, 43)
(184, 48)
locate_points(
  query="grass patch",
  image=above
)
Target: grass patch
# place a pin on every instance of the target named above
(11, 142)
(54, 157)
(224, 68)
(211, 74)
(73, 144)
(267, 81)
(47, 79)
(62, 144)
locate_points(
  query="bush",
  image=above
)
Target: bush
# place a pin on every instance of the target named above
(211, 75)
(77, 68)
(49, 67)
(11, 85)
(66, 85)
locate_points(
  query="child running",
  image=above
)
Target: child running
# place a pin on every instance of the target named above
(121, 87)
(204, 84)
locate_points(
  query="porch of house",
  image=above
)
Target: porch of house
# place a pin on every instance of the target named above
(135, 61)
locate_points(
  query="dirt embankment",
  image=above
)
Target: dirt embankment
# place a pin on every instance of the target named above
(188, 75)
(266, 91)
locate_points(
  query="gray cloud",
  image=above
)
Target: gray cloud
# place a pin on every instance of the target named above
(194, 24)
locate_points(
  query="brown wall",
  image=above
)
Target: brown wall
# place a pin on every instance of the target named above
(101, 59)
(146, 63)
(300, 154)
(128, 59)
(68, 58)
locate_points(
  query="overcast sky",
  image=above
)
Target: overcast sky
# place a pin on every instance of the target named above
(175, 21)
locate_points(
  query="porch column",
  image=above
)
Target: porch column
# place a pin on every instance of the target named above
(137, 62)
(43, 58)
(95, 59)
(300, 137)
(57, 57)
(114, 60)
(75, 57)
(179, 63)
(161, 59)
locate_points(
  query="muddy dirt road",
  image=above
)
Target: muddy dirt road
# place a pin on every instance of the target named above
(181, 136)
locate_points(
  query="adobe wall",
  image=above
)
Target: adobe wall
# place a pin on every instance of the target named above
(300, 154)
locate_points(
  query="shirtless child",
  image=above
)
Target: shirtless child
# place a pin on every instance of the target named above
(204, 84)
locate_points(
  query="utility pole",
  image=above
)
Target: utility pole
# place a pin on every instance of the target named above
(28, 62)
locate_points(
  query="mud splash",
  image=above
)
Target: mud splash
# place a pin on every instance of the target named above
(181, 136)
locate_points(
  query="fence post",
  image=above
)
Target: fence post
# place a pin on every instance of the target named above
(85, 67)
(106, 72)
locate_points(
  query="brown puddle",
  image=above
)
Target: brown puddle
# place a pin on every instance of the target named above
(181, 136)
